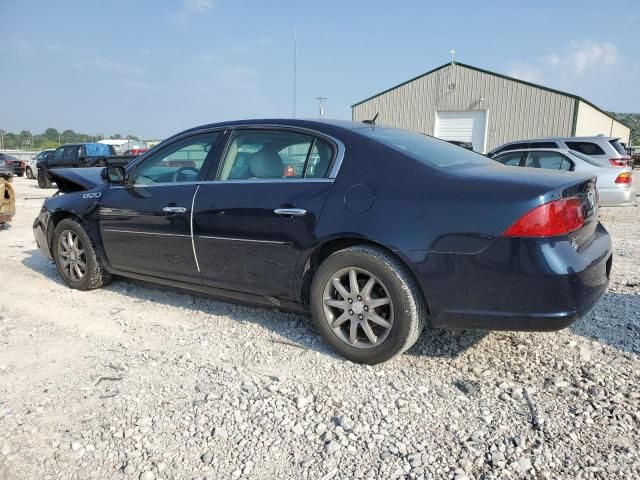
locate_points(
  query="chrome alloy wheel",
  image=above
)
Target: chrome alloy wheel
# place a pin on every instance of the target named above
(358, 308)
(72, 255)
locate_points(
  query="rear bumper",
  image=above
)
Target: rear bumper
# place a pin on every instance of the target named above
(517, 283)
(617, 197)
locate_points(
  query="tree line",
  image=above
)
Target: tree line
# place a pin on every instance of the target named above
(51, 138)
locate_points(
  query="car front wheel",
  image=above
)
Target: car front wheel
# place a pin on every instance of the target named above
(76, 258)
(29, 173)
(367, 305)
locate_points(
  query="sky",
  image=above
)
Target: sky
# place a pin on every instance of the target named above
(153, 68)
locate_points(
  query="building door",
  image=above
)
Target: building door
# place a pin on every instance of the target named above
(463, 126)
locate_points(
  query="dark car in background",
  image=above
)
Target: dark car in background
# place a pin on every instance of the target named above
(6, 168)
(80, 155)
(31, 170)
(377, 232)
(17, 165)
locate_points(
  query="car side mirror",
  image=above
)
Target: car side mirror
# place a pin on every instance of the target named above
(114, 174)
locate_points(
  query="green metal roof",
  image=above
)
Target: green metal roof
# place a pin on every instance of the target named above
(506, 77)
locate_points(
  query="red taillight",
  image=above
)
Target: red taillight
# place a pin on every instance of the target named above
(619, 162)
(624, 178)
(289, 171)
(554, 218)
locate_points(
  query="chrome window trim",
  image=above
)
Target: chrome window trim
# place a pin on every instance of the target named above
(206, 182)
(136, 232)
(333, 172)
(248, 240)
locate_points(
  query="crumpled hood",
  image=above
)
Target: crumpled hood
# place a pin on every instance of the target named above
(76, 179)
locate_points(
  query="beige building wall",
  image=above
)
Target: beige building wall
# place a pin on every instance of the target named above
(591, 121)
(515, 110)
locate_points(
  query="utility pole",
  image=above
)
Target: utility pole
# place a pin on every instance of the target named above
(321, 101)
(295, 68)
(59, 141)
(1, 139)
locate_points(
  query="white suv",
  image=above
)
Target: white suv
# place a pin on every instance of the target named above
(607, 151)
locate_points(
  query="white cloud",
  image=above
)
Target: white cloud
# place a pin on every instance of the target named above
(585, 55)
(198, 5)
(578, 58)
(525, 71)
(116, 67)
(188, 9)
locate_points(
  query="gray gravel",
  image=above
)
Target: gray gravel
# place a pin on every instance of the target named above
(138, 382)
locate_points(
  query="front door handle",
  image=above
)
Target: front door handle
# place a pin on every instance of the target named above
(294, 212)
(174, 209)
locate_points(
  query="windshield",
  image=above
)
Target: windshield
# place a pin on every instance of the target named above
(618, 146)
(426, 149)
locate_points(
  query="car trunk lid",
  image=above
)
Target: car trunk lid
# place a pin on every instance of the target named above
(76, 179)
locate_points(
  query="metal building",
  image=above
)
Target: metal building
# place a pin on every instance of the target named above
(461, 102)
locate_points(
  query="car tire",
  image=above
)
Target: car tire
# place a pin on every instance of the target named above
(43, 180)
(20, 174)
(398, 322)
(70, 237)
(29, 173)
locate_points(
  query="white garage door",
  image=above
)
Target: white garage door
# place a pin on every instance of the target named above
(464, 126)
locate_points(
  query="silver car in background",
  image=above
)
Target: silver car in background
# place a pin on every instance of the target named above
(607, 151)
(615, 184)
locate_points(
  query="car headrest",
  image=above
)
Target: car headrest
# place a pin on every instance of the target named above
(266, 164)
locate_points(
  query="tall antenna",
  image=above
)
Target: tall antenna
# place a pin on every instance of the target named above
(321, 101)
(453, 55)
(295, 68)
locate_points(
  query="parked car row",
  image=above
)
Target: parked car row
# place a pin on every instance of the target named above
(602, 156)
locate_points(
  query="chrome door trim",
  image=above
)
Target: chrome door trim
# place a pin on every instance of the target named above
(193, 243)
(136, 232)
(248, 240)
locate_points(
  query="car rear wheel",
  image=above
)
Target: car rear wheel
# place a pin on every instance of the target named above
(43, 180)
(367, 305)
(76, 258)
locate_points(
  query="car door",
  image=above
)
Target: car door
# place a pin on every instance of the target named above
(145, 224)
(56, 159)
(259, 209)
(70, 156)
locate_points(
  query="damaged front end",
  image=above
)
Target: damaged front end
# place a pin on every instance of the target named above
(79, 190)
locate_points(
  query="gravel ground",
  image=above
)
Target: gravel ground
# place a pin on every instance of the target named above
(133, 381)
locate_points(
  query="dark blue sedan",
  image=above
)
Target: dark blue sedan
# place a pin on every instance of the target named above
(376, 231)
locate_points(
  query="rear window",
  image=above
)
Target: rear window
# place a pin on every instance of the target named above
(427, 150)
(618, 146)
(98, 150)
(588, 148)
(586, 158)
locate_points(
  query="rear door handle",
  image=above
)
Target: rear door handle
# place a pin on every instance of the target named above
(174, 209)
(294, 212)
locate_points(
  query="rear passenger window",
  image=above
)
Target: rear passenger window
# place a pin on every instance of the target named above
(588, 148)
(271, 154)
(547, 160)
(512, 159)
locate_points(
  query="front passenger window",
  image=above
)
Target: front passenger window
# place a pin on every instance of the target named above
(179, 162)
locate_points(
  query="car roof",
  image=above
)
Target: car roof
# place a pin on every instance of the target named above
(550, 149)
(317, 124)
(562, 139)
